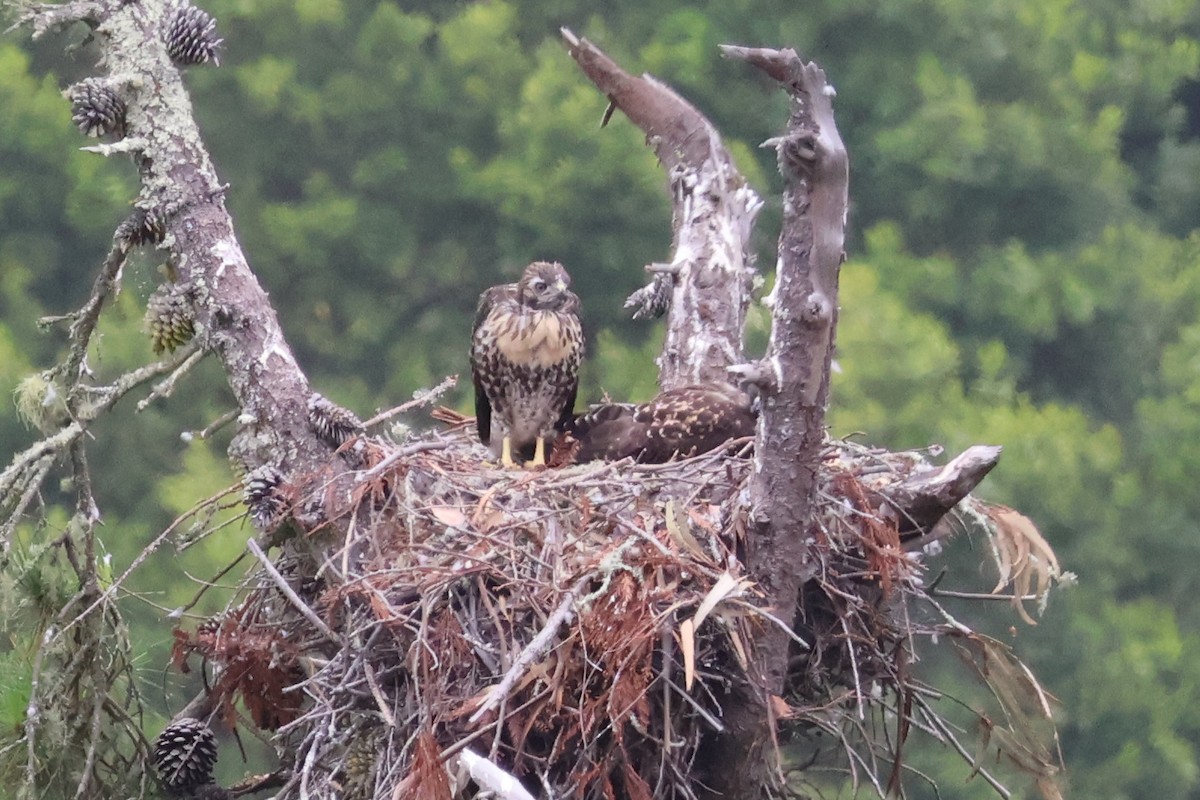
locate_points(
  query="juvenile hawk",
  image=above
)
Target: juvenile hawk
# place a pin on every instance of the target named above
(525, 353)
(678, 423)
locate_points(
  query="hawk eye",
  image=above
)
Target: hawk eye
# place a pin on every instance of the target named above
(539, 285)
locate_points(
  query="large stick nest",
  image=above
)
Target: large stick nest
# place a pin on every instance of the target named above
(581, 628)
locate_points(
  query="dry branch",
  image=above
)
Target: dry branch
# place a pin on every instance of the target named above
(139, 99)
(706, 286)
(923, 500)
(180, 188)
(794, 379)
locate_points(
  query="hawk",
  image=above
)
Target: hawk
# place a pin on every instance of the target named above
(526, 348)
(678, 423)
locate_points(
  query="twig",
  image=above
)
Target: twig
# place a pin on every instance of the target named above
(48, 447)
(290, 593)
(29, 468)
(401, 453)
(142, 556)
(377, 693)
(85, 318)
(1008, 598)
(942, 728)
(535, 651)
(762, 612)
(33, 482)
(491, 777)
(421, 398)
(216, 425)
(192, 357)
(713, 722)
(99, 695)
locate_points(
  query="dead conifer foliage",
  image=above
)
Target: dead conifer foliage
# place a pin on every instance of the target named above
(577, 630)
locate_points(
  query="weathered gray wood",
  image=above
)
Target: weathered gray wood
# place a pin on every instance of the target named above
(234, 318)
(794, 380)
(922, 500)
(705, 288)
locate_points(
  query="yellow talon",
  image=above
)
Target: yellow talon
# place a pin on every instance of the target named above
(506, 459)
(539, 454)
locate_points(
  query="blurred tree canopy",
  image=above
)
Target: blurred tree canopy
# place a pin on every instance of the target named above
(1024, 266)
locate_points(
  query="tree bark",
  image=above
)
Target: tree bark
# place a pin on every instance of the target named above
(921, 501)
(794, 379)
(180, 189)
(706, 286)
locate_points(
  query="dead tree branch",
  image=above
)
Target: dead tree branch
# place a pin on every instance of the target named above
(138, 100)
(926, 497)
(181, 193)
(706, 286)
(791, 432)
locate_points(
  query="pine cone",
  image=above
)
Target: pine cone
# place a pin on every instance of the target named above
(184, 755)
(142, 227)
(209, 628)
(192, 36)
(332, 423)
(359, 765)
(261, 496)
(96, 108)
(653, 299)
(169, 319)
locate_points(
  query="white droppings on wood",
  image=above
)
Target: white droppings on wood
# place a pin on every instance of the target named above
(276, 346)
(228, 254)
(771, 299)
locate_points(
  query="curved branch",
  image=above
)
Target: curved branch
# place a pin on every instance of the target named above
(706, 285)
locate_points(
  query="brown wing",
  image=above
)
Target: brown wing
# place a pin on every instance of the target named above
(680, 422)
(483, 407)
(606, 433)
(567, 414)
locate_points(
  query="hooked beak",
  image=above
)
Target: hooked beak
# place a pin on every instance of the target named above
(560, 285)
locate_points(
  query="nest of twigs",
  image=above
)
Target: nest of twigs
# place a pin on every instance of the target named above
(577, 629)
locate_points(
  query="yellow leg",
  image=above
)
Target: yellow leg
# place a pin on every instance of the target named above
(506, 459)
(539, 454)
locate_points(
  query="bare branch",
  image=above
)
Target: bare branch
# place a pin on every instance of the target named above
(423, 397)
(706, 285)
(925, 498)
(290, 593)
(794, 376)
(233, 316)
(491, 777)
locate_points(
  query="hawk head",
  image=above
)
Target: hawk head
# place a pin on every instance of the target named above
(544, 286)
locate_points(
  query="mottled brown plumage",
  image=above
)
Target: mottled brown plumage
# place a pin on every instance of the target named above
(678, 423)
(526, 348)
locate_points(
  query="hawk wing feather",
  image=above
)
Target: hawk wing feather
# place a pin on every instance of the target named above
(483, 407)
(678, 423)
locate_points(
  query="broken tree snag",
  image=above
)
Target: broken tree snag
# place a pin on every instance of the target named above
(181, 209)
(794, 377)
(921, 501)
(705, 289)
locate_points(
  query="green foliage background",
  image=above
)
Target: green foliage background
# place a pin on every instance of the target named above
(1024, 268)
